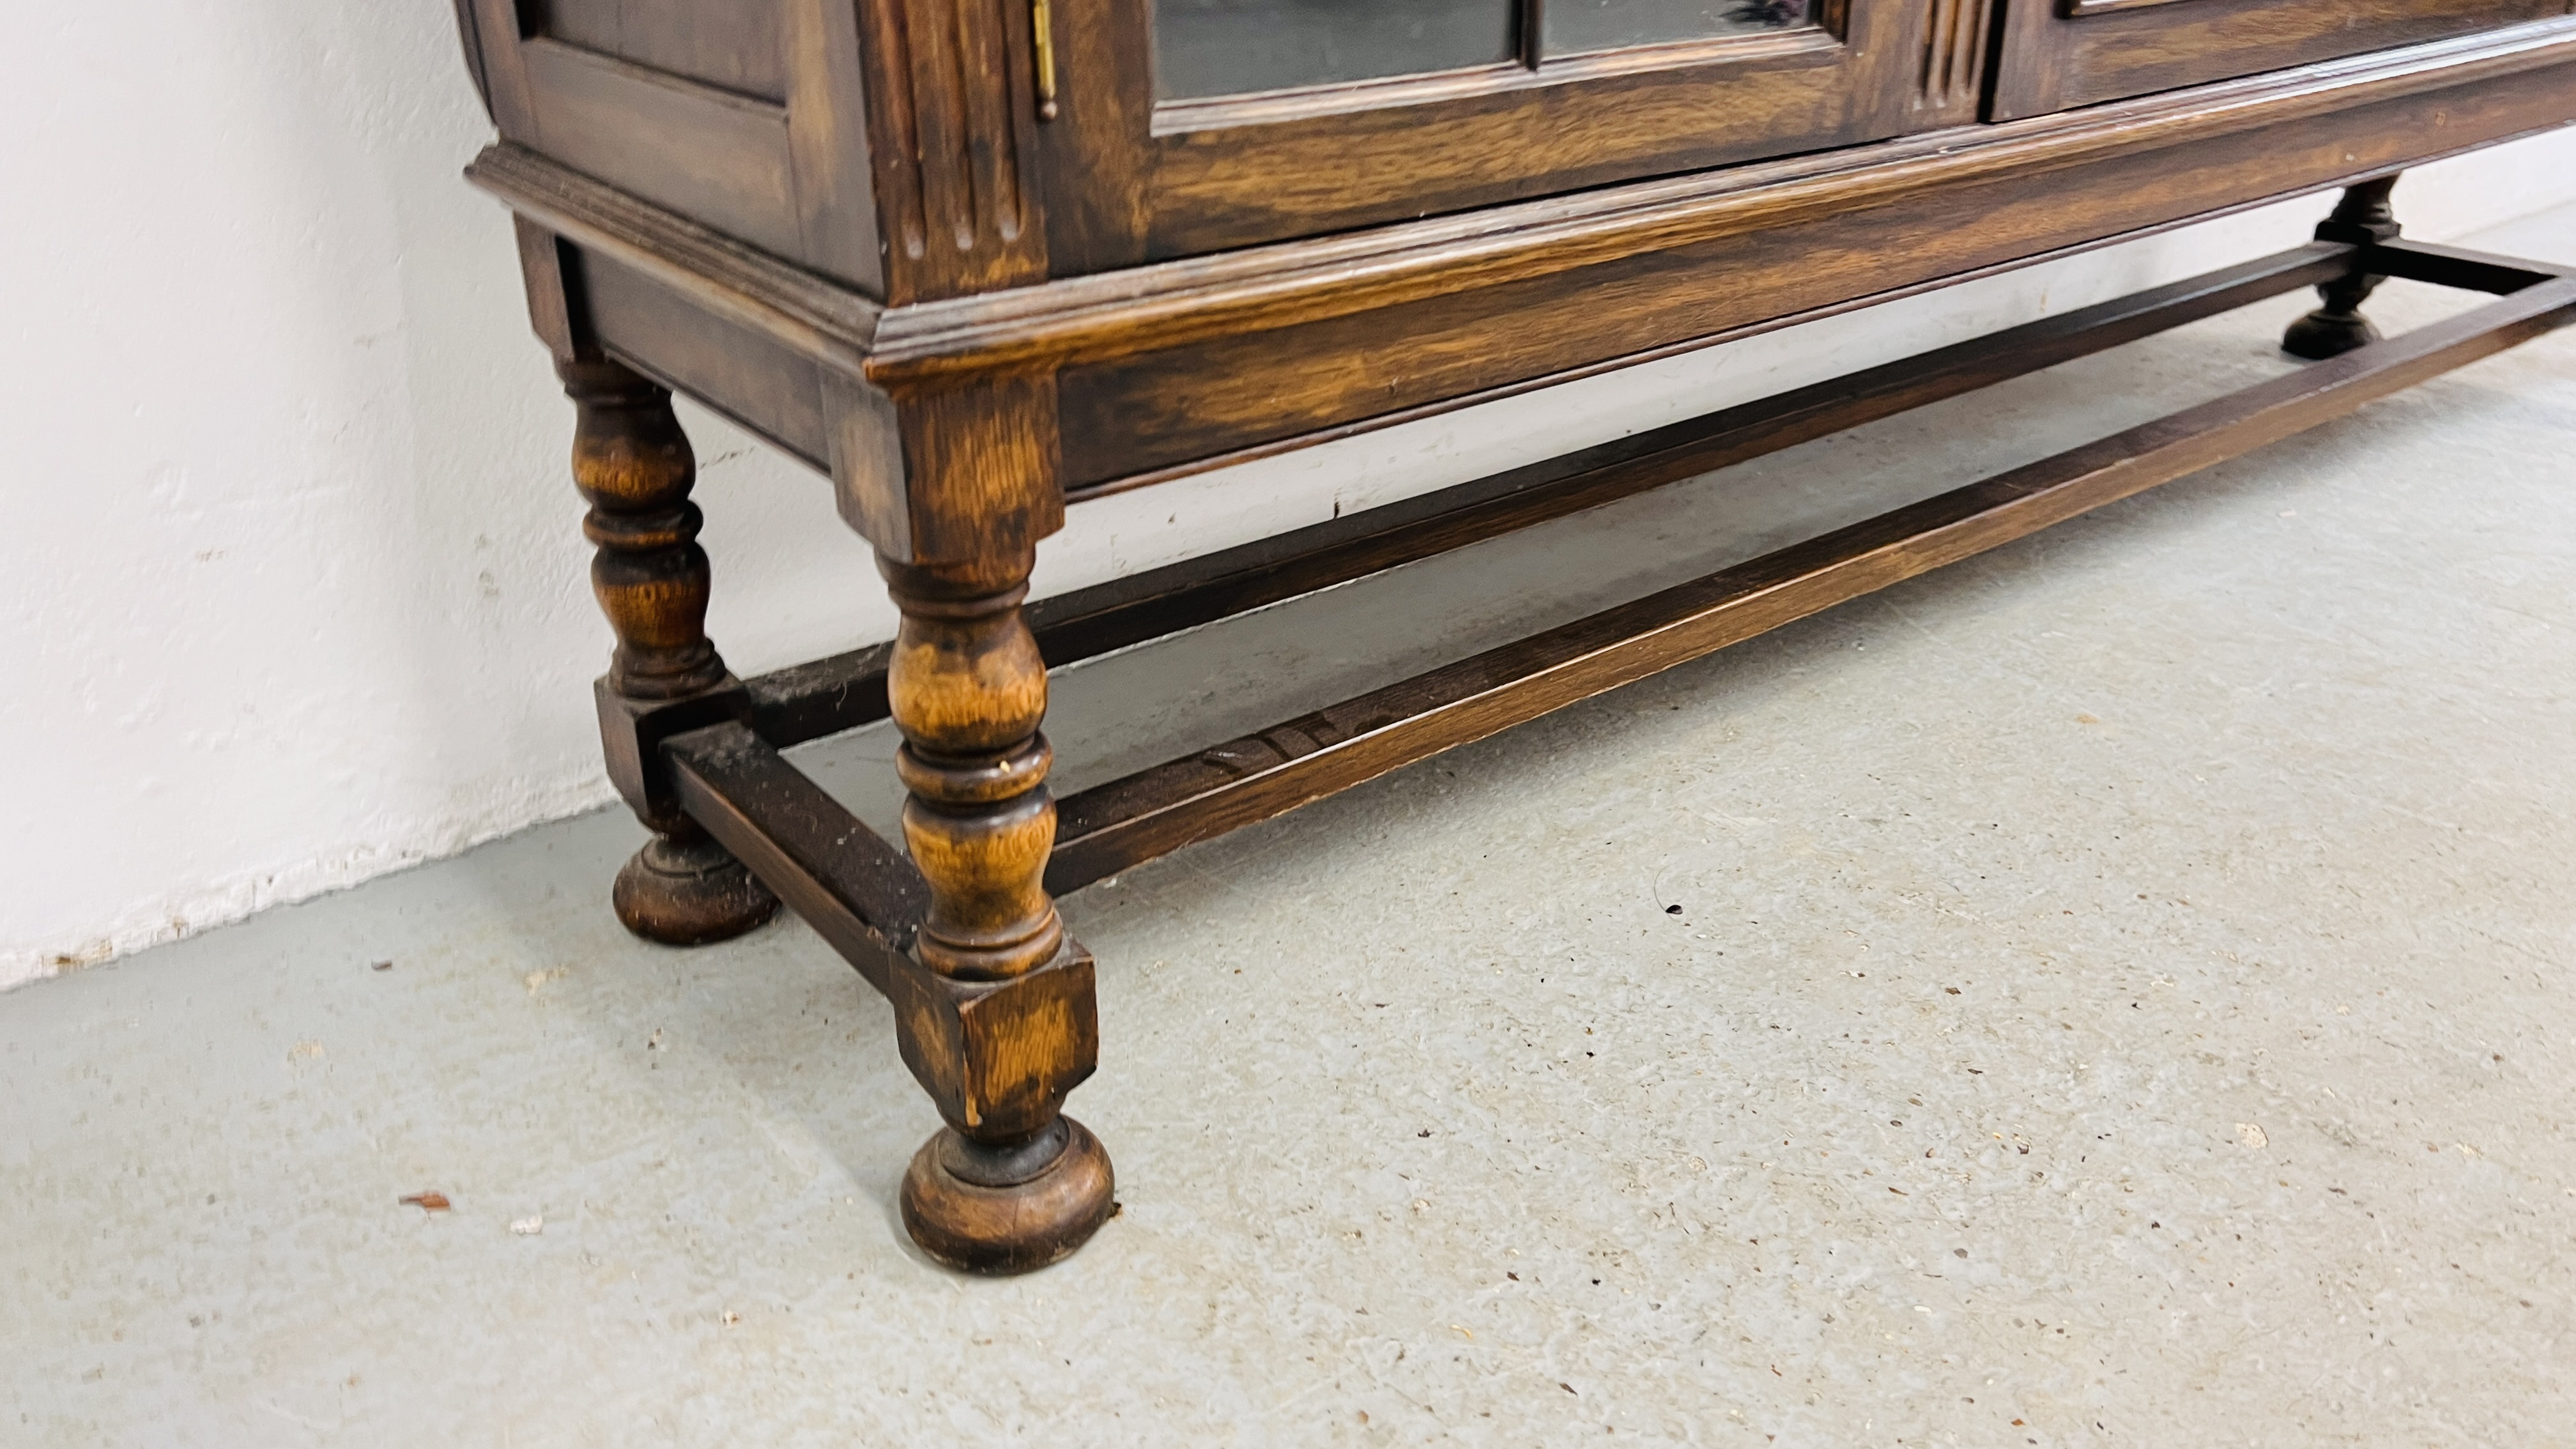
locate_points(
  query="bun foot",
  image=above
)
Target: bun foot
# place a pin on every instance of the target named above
(2327, 332)
(1010, 1209)
(689, 893)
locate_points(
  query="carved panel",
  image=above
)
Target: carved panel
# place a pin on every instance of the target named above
(951, 99)
(1952, 77)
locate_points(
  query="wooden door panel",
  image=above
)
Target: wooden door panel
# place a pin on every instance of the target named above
(734, 45)
(1135, 175)
(2063, 53)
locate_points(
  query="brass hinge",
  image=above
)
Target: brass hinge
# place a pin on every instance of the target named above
(1042, 31)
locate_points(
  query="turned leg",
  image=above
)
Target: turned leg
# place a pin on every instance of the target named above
(633, 465)
(2362, 217)
(1011, 1183)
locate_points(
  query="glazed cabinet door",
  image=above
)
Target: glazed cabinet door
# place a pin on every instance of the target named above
(1177, 127)
(2063, 53)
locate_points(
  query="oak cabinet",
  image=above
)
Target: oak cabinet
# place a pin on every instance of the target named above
(982, 261)
(918, 149)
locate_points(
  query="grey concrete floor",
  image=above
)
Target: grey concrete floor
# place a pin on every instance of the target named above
(2118, 994)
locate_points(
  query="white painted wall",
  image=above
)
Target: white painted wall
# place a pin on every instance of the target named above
(292, 584)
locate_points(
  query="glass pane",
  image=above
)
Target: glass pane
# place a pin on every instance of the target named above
(1230, 47)
(1569, 27)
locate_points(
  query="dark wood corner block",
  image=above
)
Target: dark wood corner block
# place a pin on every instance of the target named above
(976, 260)
(632, 732)
(999, 1057)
